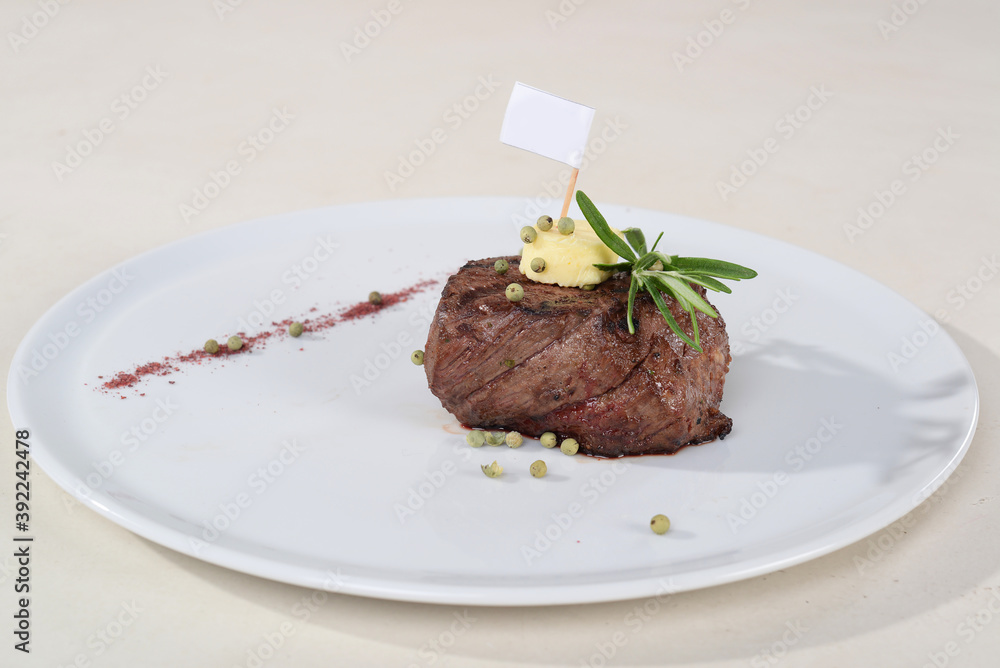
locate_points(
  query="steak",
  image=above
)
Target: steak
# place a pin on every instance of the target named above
(562, 360)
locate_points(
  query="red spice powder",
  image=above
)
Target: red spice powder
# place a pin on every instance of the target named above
(121, 379)
(319, 323)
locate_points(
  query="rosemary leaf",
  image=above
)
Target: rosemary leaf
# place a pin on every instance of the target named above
(636, 239)
(682, 289)
(666, 260)
(633, 288)
(668, 316)
(602, 229)
(621, 266)
(708, 282)
(717, 268)
(694, 325)
(645, 262)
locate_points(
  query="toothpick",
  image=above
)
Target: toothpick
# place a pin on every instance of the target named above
(569, 192)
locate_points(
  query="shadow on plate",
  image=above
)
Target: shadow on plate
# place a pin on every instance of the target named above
(781, 395)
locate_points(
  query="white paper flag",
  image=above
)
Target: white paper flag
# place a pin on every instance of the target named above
(546, 124)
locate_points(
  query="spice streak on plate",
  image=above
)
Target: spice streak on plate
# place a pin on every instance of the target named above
(170, 364)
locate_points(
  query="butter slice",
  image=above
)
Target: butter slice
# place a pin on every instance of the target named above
(569, 258)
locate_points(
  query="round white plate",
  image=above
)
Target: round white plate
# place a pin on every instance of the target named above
(324, 461)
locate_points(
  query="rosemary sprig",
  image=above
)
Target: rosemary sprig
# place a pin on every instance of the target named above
(658, 273)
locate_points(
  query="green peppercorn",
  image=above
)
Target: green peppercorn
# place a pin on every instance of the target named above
(475, 438)
(501, 266)
(495, 438)
(566, 225)
(509, 364)
(549, 439)
(590, 286)
(514, 439)
(295, 329)
(234, 343)
(211, 346)
(374, 298)
(538, 265)
(515, 292)
(544, 223)
(659, 524)
(492, 470)
(538, 469)
(417, 357)
(569, 446)
(528, 234)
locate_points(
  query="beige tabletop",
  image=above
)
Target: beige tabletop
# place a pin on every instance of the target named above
(865, 131)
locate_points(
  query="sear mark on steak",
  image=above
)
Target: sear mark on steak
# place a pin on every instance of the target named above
(562, 360)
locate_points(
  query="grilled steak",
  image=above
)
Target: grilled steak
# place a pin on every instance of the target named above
(562, 360)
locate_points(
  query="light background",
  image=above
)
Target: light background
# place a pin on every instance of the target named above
(684, 129)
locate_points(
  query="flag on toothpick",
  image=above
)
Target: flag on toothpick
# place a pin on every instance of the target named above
(546, 124)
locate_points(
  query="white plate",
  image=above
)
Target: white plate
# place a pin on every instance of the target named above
(833, 438)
